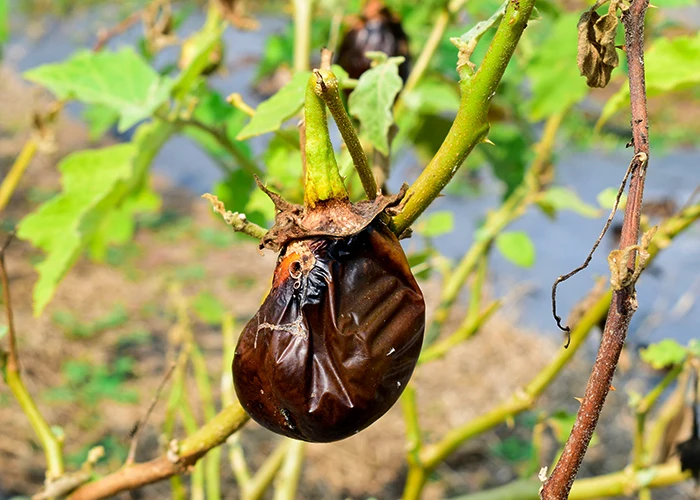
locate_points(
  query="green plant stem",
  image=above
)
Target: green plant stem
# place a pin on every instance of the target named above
(235, 450)
(432, 455)
(264, 476)
(497, 221)
(665, 416)
(322, 182)
(471, 123)
(521, 400)
(640, 455)
(468, 328)
(288, 477)
(620, 483)
(231, 147)
(327, 89)
(197, 483)
(413, 434)
(212, 464)
(302, 34)
(11, 180)
(10, 367)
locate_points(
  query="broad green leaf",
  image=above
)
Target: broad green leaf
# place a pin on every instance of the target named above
(99, 119)
(284, 170)
(120, 80)
(208, 308)
(665, 353)
(561, 198)
(670, 64)
(373, 99)
(94, 182)
(436, 224)
(89, 178)
(272, 113)
(556, 83)
(606, 199)
(517, 247)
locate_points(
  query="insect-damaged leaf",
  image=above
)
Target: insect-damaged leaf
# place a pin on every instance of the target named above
(597, 56)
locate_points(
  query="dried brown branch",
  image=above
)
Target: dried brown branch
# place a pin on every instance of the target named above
(624, 303)
(105, 36)
(179, 459)
(12, 358)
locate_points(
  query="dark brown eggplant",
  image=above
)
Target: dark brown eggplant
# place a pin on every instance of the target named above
(337, 338)
(378, 30)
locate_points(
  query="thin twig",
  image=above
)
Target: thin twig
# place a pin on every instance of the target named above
(236, 220)
(624, 302)
(105, 36)
(142, 423)
(583, 266)
(12, 357)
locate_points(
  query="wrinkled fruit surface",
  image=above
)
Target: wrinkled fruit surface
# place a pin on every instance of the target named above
(336, 340)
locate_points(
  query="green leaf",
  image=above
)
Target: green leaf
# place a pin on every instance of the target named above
(556, 83)
(561, 198)
(122, 81)
(4, 22)
(373, 99)
(668, 352)
(100, 119)
(670, 64)
(517, 247)
(436, 224)
(94, 183)
(89, 178)
(606, 199)
(209, 308)
(272, 113)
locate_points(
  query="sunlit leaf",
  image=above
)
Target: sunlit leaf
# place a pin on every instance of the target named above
(517, 247)
(122, 81)
(272, 113)
(100, 119)
(94, 182)
(373, 99)
(668, 352)
(436, 224)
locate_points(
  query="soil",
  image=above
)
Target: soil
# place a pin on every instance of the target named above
(190, 246)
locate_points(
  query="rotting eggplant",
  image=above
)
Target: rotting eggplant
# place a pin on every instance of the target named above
(336, 340)
(378, 29)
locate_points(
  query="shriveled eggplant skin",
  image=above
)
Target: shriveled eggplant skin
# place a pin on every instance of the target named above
(336, 340)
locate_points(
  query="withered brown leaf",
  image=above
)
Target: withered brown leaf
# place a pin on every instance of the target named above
(597, 56)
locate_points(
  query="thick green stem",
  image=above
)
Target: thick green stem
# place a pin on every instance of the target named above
(288, 477)
(327, 89)
(323, 181)
(471, 124)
